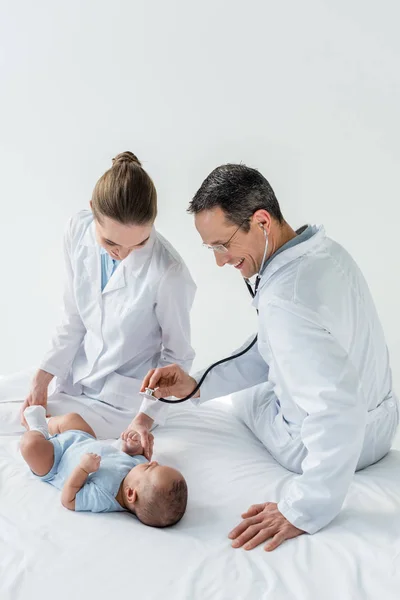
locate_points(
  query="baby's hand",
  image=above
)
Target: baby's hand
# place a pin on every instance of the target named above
(131, 444)
(90, 462)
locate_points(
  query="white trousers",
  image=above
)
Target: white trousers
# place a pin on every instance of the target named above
(257, 408)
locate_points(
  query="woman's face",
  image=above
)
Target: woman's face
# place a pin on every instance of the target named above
(119, 240)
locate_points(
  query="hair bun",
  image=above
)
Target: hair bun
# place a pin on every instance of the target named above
(126, 157)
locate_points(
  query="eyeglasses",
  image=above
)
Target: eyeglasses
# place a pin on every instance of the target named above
(223, 248)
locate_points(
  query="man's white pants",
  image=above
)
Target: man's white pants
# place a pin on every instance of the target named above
(257, 407)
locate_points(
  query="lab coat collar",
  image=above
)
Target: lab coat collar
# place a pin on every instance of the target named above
(291, 254)
(117, 281)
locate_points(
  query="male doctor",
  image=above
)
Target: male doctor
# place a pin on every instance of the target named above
(317, 387)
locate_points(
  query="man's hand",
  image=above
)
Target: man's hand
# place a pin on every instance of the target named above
(170, 381)
(140, 426)
(38, 393)
(90, 462)
(263, 522)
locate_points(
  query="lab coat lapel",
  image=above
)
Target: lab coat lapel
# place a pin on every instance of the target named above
(117, 280)
(92, 264)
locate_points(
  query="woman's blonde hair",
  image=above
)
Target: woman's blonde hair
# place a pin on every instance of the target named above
(125, 193)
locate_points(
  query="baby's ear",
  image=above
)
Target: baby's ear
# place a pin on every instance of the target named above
(131, 495)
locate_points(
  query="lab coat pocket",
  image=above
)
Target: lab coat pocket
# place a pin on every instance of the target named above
(131, 317)
(381, 428)
(388, 409)
(129, 310)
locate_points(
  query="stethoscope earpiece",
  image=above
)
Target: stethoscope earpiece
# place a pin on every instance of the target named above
(262, 227)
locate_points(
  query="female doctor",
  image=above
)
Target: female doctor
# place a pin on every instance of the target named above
(127, 300)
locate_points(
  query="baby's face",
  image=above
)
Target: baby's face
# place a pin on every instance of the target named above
(151, 474)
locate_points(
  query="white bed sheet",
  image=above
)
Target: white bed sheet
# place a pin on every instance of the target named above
(49, 552)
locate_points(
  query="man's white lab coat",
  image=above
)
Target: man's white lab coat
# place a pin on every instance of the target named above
(328, 407)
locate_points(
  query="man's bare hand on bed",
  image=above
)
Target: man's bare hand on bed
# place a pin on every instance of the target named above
(140, 426)
(263, 522)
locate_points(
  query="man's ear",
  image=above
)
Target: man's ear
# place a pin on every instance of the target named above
(263, 218)
(91, 205)
(131, 495)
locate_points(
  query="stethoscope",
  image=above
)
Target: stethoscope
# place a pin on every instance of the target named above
(149, 392)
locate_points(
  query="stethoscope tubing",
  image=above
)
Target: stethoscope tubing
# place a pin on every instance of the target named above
(228, 358)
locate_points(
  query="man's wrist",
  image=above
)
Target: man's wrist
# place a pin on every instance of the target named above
(195, 383)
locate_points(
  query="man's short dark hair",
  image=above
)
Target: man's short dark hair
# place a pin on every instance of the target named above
(239, 191)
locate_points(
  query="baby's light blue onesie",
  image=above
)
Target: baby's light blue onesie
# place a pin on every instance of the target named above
(99, 492)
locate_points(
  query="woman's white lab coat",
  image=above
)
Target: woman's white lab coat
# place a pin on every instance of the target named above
(109, 340)
(322, 350)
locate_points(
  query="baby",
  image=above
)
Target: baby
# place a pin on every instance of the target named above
(97, 477)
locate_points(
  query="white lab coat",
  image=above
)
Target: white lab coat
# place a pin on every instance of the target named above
(109, 340)
(323, 402)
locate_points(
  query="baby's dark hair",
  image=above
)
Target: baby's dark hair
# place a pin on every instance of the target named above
(162, 507)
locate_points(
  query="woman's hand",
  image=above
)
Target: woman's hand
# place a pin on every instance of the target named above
(140, 426)
(38, 393)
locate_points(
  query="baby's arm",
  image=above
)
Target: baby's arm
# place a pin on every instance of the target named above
(89, 464)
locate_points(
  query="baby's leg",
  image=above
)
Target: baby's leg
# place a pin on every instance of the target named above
(68, 422)
(37, 452)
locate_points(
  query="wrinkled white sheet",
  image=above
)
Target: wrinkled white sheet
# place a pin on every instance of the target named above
(49, 552)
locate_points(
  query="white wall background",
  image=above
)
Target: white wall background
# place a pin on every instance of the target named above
(308, 92)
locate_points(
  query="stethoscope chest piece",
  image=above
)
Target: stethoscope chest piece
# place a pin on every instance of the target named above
(149, 393)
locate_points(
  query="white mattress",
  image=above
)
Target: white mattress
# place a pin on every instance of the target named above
(49, 552)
